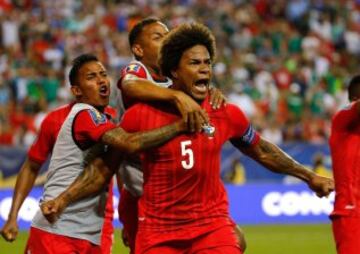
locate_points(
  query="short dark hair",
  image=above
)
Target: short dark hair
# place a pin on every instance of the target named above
(138, 28)
(354, 88)
(180, 39)
(77, 63)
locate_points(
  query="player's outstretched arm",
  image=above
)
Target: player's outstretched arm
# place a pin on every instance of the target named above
(273, 158)
(145, 90)
(139, 141)
(95, 177)
(24, 183)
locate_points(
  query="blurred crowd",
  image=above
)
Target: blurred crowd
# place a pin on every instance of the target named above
(285, 62)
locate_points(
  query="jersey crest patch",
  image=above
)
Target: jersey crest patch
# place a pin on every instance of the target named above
(97, 117)
(133, 68)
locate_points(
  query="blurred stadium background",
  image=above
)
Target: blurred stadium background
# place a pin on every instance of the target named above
(285, 63)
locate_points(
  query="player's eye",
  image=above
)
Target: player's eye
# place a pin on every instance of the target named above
(89, 77)
(194, 62)
(157, 37)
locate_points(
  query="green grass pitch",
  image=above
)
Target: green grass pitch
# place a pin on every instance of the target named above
(269, 239)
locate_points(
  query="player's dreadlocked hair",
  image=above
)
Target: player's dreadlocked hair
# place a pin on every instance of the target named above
(354, 88)
(180, 39)
(138, 28)
(77, 63)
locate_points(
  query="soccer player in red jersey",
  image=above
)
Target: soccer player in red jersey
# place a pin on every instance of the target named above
(89, 126)
(37, 155)
(184, 208)
(345, 154)
(141, 80)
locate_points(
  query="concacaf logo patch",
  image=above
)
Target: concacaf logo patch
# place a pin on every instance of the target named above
(133, 68)
(97, 117)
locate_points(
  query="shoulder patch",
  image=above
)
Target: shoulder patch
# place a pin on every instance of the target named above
(133, 68)
(97, 117)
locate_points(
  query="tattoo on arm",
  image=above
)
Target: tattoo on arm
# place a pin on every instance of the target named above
(135, 142)
(91, 181)
(273, 158)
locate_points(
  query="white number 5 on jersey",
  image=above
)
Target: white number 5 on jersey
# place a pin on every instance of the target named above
(188, 162)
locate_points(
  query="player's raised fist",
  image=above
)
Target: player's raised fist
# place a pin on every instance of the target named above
(52, 209)
(322, 186)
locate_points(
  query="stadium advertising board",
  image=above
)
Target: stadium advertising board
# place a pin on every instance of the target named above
(277, 204)
(249, 204)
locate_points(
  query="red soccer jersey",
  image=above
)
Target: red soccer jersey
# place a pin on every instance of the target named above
(183, 193)
(345, 153)
(84, 126)
(50, 127)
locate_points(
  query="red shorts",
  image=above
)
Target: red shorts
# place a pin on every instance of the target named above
(128, 215)
(346, 232)
(220, 241)
(42, 242)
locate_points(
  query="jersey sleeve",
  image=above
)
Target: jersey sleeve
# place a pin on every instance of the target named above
(44, 143)
(242, 130)
(133, 69)
(130, 121)
(136, 71)
(345, 117)
(89, 125)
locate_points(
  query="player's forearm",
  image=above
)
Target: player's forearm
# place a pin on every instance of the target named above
(24, 183)
(139, 141)
(273, 158)
(90, 182)
(145, 90)
(156, 137)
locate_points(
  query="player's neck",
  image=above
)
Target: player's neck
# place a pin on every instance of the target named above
(100, 108)
(178, 87)
(154, 70)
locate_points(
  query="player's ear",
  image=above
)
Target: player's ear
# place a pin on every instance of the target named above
(137, 50)
(174, 74)
(76, 91)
